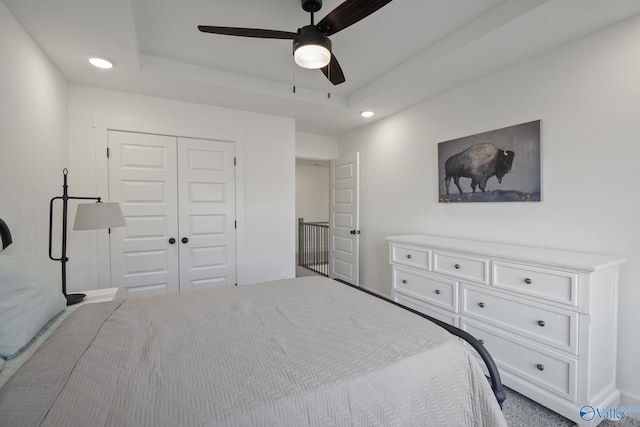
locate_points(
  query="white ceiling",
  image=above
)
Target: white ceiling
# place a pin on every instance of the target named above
(408, 51)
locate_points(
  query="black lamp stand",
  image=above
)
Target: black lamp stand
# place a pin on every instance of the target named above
(71, 298)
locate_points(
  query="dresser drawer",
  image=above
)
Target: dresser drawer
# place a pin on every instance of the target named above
(435, 290)
(411, 256)
(553, 285)
(462, 266)
(555, 327)
(549, 370)
(424, 308)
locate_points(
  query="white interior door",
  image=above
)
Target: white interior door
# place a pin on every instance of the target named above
(142, 177)
(206, 195)
(344, 222)
(178, 198)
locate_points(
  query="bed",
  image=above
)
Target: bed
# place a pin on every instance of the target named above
(308, 351)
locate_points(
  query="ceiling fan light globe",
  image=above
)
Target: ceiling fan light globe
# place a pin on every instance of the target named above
(312, 56)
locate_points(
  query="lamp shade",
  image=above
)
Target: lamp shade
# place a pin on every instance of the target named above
(95, 216)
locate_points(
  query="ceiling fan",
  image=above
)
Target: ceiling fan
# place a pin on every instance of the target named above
(311, 43)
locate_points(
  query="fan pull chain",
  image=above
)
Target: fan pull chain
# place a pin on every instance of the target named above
(294, 76)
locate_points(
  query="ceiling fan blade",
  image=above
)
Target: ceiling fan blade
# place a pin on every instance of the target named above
(348, 13)
(248, 32)
(333, 71)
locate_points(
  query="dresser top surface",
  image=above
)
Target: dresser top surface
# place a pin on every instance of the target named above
(555, 257)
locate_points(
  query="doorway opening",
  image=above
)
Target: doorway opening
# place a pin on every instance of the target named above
(312, 207)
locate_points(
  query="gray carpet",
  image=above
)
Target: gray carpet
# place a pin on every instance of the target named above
(523, 412)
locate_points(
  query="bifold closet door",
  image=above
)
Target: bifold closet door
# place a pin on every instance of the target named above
(206, 204)
(142, 177)
(178, 198)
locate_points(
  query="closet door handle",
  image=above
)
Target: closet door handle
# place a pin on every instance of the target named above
(172, 241)
(185, 240)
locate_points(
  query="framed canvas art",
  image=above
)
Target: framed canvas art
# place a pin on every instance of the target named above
(501, 165)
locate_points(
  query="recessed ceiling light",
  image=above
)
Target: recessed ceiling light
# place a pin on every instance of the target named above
(101, 63)
(366, 114)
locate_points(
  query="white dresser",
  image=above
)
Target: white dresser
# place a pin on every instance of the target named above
(548, 317)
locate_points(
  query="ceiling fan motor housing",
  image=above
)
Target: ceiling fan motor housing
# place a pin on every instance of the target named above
(310, 34)
(311, 5)
(311, 48)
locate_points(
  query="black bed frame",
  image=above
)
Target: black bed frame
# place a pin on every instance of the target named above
(494, 375)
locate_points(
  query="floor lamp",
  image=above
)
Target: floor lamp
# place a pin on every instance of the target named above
(89, 216)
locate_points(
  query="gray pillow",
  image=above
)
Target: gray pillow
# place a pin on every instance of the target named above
(29, 298)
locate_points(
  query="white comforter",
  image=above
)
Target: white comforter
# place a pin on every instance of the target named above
(303, 352)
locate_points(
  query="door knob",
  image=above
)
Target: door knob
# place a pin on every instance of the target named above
(172, 241)
(185, 240)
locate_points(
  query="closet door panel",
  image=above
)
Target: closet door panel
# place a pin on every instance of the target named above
(206, 200)
(142, 178)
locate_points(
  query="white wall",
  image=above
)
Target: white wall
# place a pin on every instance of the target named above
(587, 94)
(317, 147)
(33, 133)
(312, 192)
(266, 189)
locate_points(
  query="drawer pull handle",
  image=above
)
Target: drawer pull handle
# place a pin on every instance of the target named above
(541, 322)
(404, 281)
(457, 266)
(437, 291)
(481, 342)
(528, 281)
(540, 367)
(481, 305)
(409, 256)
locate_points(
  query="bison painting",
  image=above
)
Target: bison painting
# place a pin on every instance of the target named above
(478, 162)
